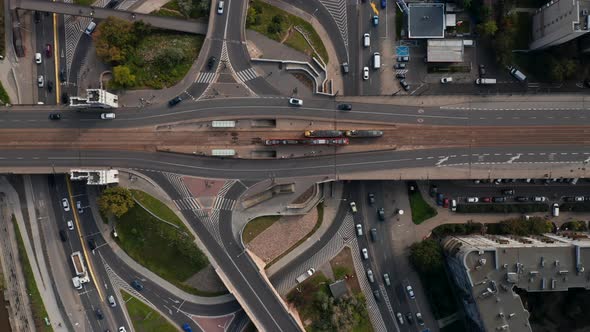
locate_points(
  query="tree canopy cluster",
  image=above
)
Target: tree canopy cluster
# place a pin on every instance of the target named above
(116, 201)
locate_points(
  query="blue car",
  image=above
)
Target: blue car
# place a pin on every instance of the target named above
(186, 327)
(383, 4)
(375, 20)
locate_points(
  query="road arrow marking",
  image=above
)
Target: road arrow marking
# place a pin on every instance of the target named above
(511, 160)
(440, 161)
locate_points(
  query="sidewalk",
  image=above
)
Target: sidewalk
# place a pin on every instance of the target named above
(106, 233)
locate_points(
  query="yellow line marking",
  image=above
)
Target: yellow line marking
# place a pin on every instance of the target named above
(79, 229)
(56, 57)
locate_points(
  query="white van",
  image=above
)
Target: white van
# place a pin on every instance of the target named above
(108, 116)
(90, 28)
(555, 210)
(517, 74)
(366, 40)
(376, 60)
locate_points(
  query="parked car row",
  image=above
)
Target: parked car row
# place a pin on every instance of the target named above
(503, 199)
(532, 181)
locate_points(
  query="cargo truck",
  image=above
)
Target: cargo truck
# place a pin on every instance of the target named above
(305, 275)
(81, 275)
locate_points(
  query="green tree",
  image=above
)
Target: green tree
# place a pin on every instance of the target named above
(487, 28)
(114, 40)
(122, 76)
(252, 17)
(116, 201)
(426, 256)
(466, 4)
(185, 7)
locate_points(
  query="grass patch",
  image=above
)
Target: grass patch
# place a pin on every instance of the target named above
(341, 271)
(257, 226)
(158, 208)
(4, 98)
(320, 208)
(421, 211)
(161, 248)
(278, 25)
(167, 13)
(144, 318)
(149, 70)
(37, 306)
(172, 5)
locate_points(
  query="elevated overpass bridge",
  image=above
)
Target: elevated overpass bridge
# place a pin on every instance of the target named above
(168, 23)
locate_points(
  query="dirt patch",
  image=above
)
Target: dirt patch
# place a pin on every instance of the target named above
(283, 234)
(305, 196)
(343, 268)
(207, 280)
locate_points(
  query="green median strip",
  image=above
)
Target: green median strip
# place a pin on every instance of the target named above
(144, 318)
(421, 211)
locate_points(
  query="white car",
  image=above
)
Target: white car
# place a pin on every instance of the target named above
(472, 199)
(295, 102)
(65, 204)
(220, 7)
(365, 73)
(70, 225)
(40, 81)
(107, 116)
(38, 58)
(410, 292)
(446, 80)
(79, 207)
(353, 207)
(400, 318)
(359, 229)
(122, 329)
(365, 253)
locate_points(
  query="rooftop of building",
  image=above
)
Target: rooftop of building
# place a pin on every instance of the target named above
(445, 50)
(426, 20)
(496, 264)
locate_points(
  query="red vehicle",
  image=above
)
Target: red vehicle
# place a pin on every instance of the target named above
(48, 50)
(486, 199)
(446, 203)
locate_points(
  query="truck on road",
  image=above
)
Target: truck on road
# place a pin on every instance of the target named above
(305, 275)
(81, 274)
(485, 81)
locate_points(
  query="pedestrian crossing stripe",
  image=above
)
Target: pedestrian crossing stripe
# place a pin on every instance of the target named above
(247, 74)
(205, 77)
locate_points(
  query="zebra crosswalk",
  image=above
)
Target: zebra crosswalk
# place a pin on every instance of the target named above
(401, 71)
(178, 184)
(206, 77)
(187, 203)
(247, 74)
(337, 9)
(225, 188)
(222, 203)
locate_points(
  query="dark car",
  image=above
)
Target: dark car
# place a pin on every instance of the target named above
(486, 199)
(381, 214)
(54, 116)
(63, 235)
(404, 85)
(371, 198)
(62, 75)
(65, 98)
(410, 318)
(186, 327)
(521, 199)
(211, 62)
(137, 285)
(482, 70)
(383, 4)
(48, 50)
(49, 86)
(37, 17)
(499, 199)
(92, 244)
(569, 199)
(400, 76)
(112, 4)
(175, 101)
(377, 295)
(99, 314)
(345, 107)
(345, 68)
(508, 192)
(373, 234)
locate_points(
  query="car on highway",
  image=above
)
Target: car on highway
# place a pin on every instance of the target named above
(472, 199)
(345, 107)
(486, 199)
(65, 98)
(521, 199)
(137, 285)
(359, 230)
(400, 318)
(49, 86)
(445, 80)
(174, 101)
(92, 243)
(404, 85)
(371, 198)
(54, 116)
(79, 207)
(365, 253)
(48, 50)
(345, 68)
(122, 329)
(383, 4)
(295, 102)
(111, 300)
(419, 319)
(403, 58)
(99, 314)
(353, 207)
(90, 28)
(377, 295)
(211, 62)
(366, 40)
(40, 81)
(108, 116)
(579, 198)
(62, 75)
(365, 73)
(400, 66)
(400, 76)
(186, 327)
(220, 7)
(375, 20)
(38, 58)
(508, 192)
(539, 198)
(65, 204)
(370, 276)
(373, 234)
(386, 279)
(410, 292)
(410, 318)
(498, 199)
(381, 214)
(70, 225)
(63, 235)
(37, 16)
